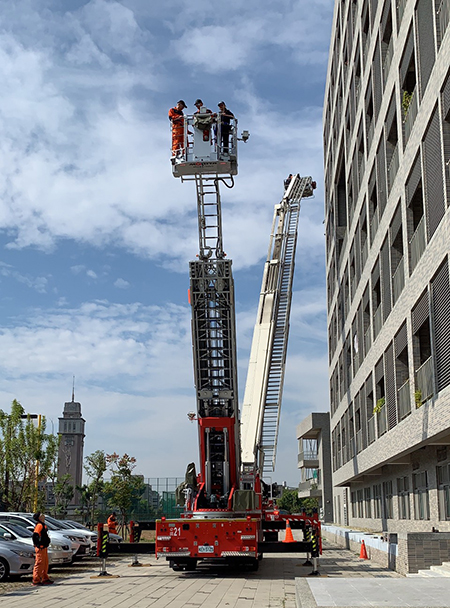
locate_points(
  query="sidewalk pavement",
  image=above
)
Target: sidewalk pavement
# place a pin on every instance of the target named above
(272, 586)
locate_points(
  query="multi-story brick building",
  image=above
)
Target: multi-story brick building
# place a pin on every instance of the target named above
(387, 192)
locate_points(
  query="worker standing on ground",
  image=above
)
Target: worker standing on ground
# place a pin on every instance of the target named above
(176, 117)
(41, 541)
(225, 116)
(112, 523)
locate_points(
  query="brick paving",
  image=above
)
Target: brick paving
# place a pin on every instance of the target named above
(272, 586)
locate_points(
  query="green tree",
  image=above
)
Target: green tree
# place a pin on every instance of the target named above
(95, 466)
(124, 488)
(63, 492)
(290, 502)
(27, 454)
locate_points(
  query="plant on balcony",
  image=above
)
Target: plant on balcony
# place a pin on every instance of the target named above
(418, 397)
(379, 405)
(406, 102)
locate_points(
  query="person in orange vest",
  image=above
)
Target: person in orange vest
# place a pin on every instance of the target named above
(176, 117)
(112, 523)
(41, 541)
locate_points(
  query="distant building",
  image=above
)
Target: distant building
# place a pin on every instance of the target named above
(314, 462)
(70, 456)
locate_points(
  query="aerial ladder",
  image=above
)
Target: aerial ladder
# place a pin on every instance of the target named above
(226, 514)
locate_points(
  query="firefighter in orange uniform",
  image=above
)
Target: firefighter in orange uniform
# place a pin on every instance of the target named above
(41, 541)
(176, 117)
(112, 523)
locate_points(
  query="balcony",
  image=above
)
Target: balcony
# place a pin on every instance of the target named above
(417, 244)
(443, 16)
(359, 441)
(425, 381)
(377, 321)
(393, 167)
(410, 117)
(367, 340)
(309, 489)
(398, 280)
(308, 459)
(371, 430)
(388, 59)
(374, 225)
(404, 401)
(382, 421)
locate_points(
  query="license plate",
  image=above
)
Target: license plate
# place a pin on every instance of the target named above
(206, 549)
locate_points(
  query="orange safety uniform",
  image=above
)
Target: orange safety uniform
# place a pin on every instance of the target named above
(177, 119)
(41, 541)
(112, 522)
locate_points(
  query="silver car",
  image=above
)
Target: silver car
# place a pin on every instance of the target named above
(27, 521)
(15, 559)
(57, 553)
(74, 525)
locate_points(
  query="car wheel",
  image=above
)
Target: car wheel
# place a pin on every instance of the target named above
(4, 569)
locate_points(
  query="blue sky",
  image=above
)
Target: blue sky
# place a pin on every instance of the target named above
(96, 234)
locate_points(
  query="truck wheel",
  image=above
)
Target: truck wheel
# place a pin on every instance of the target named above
(4, 569)
(190, 565)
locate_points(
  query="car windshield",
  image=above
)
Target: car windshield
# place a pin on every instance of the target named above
(75, 525)
(58, 525)
(17, 530)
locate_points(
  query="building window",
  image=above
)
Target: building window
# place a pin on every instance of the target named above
(377, 501)
(421, 499)
(359, 499)
(367, 503)
(388, 500)
(353, 501)
(443, 479)
(404, 511)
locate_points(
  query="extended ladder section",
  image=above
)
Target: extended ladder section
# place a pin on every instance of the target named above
(214, 353)
(263, 391)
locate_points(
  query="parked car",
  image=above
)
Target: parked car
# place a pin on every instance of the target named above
(113, 538)
(27, 521)
(64, 528)
(57, 553)
(77, 535)
(16, 559)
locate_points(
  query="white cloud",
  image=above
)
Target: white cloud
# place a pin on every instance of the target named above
(91, 274)
(121, 284)
(40, 284)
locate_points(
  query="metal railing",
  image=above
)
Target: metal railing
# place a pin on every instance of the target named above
(425, 380)
(377, 321)
(398, 279)
(393, 166)
(404, 400)
(308, 455)
(371, 430)
(367, 340)
(382, 421)
(417, 243)
(359, 441)
(443, 16)
(374, 225)
(388, 59)
(411, 114)
(400, 10)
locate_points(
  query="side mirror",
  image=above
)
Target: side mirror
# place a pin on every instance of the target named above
(8, 536)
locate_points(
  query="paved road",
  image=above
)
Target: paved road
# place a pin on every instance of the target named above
(273, 586)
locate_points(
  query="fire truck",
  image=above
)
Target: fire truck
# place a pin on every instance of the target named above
(229, 514)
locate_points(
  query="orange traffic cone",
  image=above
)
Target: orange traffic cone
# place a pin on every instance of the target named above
(288, 537)
(363, 553)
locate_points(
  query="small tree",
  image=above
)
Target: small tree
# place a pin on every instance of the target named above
(290, 502)
(63, 492)
(95, 467)
(27, 454)
(124, 488)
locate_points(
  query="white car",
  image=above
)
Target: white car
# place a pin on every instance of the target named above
(64, 528)
(74, 525)
(27, 522)
(54, 525)
(17, 559)
(57, 553)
